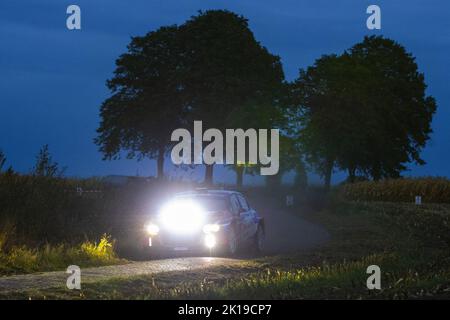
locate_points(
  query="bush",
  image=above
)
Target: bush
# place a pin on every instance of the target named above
(432, 190)
(102, 250)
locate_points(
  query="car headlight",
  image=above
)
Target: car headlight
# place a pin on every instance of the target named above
(210, 240)
(182, 216)
(211, 228)
(152, 229)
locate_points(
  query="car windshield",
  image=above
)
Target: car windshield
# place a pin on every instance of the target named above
(208, 203)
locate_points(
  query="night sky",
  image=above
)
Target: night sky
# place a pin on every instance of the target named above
(53, 80)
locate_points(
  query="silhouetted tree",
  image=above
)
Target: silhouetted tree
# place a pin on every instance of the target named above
(211, 68)
(2, 160)
(45, 166)
(318, 117)
(230, 80)
(290, 160)
(365, 111)
(145, 106)
(397, 110)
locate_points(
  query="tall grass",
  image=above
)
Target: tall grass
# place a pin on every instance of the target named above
(44, 209)
(432, 190)
(21, 259)
(45, 224)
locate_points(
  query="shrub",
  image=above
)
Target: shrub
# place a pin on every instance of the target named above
(22, 258)
(103, 250)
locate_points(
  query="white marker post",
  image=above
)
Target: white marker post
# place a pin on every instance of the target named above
(289, 200)
(418, 200)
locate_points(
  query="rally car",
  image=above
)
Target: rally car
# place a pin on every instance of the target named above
(218, 221)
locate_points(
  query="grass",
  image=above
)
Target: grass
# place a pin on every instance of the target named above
(409, 243)
(21, 259)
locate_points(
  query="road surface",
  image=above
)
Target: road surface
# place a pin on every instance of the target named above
(285, 233)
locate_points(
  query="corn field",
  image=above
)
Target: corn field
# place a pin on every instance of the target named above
(432, 190)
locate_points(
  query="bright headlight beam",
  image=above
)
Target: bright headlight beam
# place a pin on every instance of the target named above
(211, 228)
(210, 240)
(152, 229)
(182, 216)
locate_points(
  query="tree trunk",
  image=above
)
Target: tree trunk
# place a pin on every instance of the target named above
(328, 173)
(240, 176)
(209, 171)
(274, 181)
(160, 164)
(351, 175)
(376, 173)
(301, 177)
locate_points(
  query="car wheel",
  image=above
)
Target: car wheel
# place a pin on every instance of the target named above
(232, 244)
(259, 240)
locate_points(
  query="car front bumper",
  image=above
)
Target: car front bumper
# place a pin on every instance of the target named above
(173, 242)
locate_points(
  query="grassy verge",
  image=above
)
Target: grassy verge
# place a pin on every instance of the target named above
(409, 243)
(21, 259)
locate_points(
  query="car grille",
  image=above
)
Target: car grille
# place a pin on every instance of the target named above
(175, 240)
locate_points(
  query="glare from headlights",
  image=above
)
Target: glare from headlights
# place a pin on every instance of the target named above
(152, 229)
(211, 228)
(210, 241)
(182, 216)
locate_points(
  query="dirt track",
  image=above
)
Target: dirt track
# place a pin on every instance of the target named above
(285, 233)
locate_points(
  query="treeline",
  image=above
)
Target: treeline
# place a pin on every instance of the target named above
(364, 111)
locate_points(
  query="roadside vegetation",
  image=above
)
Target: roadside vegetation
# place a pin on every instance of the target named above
(22, 259)
(410, 244)
(47, 223)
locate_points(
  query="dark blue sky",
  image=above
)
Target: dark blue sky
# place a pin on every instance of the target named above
(53, 80)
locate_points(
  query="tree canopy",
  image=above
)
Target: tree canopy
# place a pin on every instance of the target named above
(230, 80)
(146, 105)
(210, 68)
(365, 111)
